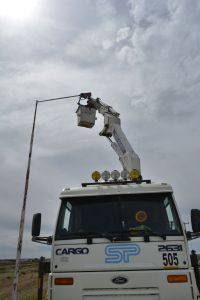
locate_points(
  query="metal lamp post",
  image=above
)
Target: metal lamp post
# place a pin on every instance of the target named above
(22, 219)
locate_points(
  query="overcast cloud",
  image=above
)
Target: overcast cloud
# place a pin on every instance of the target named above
(140, 56)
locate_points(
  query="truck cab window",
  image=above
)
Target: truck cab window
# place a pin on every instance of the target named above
(115, 214)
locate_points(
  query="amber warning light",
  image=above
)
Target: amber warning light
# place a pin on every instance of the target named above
(64, 281)
(177, 278)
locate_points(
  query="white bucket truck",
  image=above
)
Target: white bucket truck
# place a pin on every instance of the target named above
(119, 237)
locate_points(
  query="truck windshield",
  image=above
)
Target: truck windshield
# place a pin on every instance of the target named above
(135, 215)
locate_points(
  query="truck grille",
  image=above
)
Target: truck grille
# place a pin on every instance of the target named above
(121, 294)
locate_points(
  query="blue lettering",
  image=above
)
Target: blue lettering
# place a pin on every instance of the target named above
(121, 253)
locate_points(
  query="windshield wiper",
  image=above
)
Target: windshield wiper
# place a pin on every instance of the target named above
(146, 232)
(88, 235)
(143, 231)
(111, 236)
(106, 235)
(152, 233)
(121, 236)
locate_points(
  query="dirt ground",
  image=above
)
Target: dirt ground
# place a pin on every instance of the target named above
(28, 279)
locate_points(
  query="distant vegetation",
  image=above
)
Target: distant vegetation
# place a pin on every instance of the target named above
(28, 279)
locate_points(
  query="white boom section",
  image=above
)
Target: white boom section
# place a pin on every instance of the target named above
(112, 127)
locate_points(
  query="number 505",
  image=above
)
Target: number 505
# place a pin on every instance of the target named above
(170, 259)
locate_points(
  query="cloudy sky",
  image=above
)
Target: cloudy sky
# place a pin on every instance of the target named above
(140, 56)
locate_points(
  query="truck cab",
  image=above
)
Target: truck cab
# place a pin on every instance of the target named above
(120, 241)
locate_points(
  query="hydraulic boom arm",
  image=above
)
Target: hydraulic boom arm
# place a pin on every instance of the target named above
(112, 128)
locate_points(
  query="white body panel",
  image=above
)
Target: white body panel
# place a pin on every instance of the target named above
(147, 255)
(141, 285)
(130, 188)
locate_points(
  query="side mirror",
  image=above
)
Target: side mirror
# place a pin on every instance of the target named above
(36, 224)
(195, 220)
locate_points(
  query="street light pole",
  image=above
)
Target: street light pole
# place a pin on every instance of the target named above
(22, 219)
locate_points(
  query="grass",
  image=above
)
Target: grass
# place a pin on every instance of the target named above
(28, 279)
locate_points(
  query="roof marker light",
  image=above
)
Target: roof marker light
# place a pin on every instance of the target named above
(124, 174)
(105, 175)
(96, 175)
(115, 175)
(135, 175)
